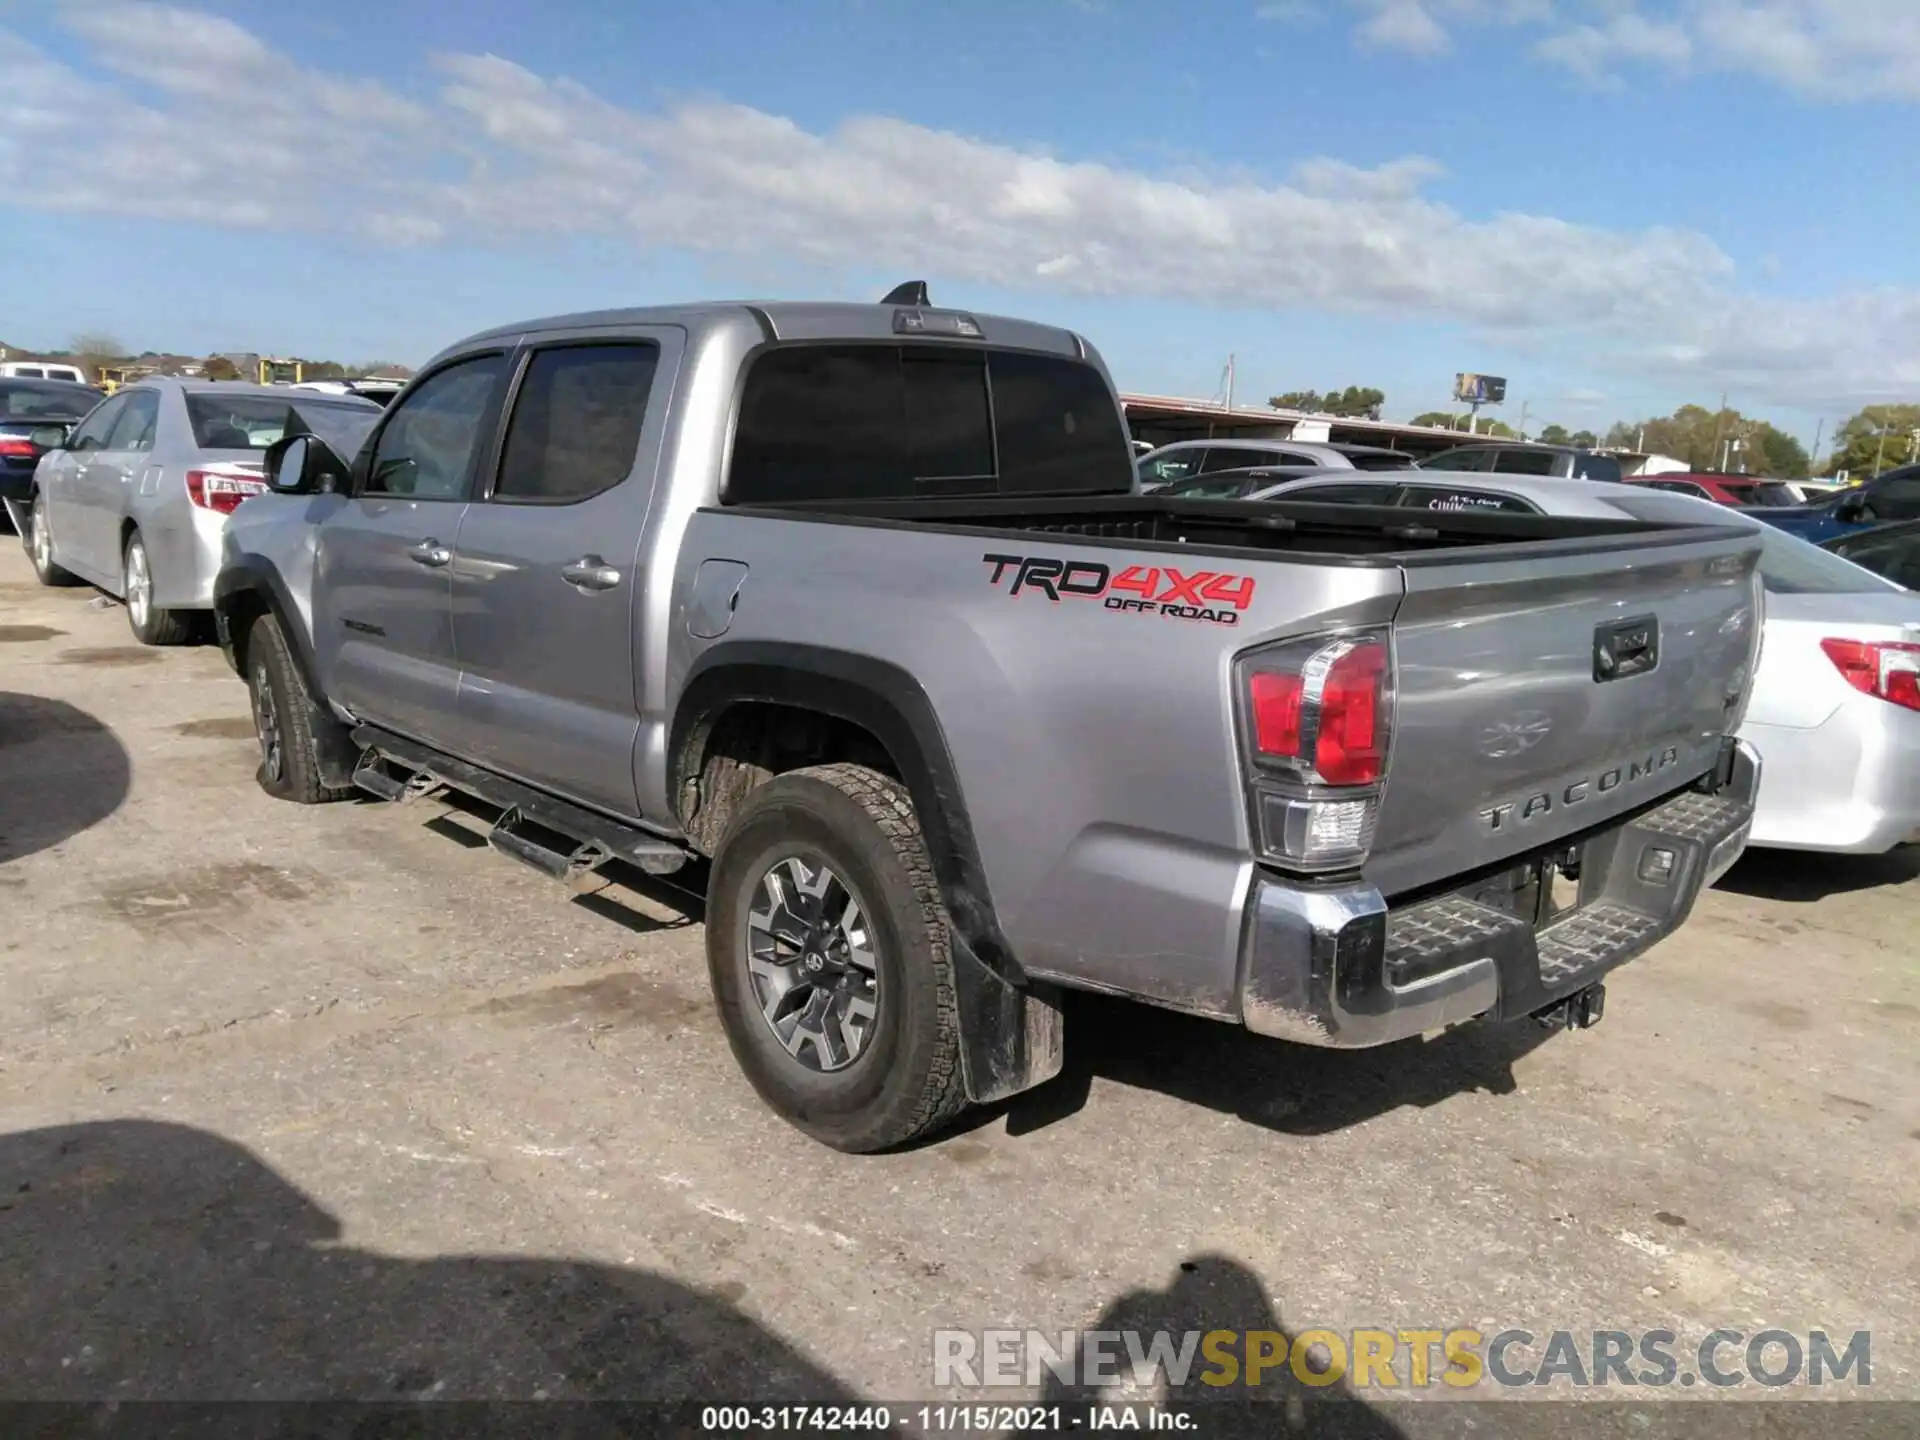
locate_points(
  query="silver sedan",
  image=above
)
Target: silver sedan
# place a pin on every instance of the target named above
(1835, 707)
(136, 499)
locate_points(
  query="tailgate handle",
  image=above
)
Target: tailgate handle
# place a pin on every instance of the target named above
(1626, 647)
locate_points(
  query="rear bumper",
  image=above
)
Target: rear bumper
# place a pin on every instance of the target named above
(1849, 786)
(1339, 967)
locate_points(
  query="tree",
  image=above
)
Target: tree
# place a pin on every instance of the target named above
(1438, 418)
(1555, 435)
(1584, 439)
(1713, 440)
(1879, 437)
(1352, 402)
(218, 367)
(92, 349)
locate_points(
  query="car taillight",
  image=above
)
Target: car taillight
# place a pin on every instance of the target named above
(221, 490)
(1316, 720)
(17, 447)
(1885, 669)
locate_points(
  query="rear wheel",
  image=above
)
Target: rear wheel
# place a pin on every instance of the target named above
(286, 721)
(827, 944)
(151, 626)
(39, 543)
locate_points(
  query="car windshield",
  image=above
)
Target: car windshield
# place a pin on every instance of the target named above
(1788, 564)
(1378, 460)
(45, 400)
(253, 422)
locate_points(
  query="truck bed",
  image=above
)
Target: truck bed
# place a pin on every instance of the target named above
(1329, 534)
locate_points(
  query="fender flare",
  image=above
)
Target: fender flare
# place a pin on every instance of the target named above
(1010, 1028)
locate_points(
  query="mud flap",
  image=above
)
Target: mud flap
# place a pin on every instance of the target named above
(1011, 1038)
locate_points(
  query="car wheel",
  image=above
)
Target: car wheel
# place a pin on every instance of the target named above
(829, 953)
(39, 542)
(285, 720)
(150, 625)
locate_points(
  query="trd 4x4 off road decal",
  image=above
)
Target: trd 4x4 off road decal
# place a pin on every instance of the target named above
(1144, 589)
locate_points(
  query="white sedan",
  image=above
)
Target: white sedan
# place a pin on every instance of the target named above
(1835, 710)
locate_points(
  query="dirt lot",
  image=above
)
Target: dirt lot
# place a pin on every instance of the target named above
(306, 1102)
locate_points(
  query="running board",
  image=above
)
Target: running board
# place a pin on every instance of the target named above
(400, 770)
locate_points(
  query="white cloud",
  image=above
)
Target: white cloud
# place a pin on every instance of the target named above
(1592, 50)
(494, 153)
(1405, 25)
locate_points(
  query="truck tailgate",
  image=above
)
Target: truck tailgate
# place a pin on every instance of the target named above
(1544, 694)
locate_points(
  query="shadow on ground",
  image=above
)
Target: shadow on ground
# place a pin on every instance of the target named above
(157, 1261)
(1294, 1089)
(61, 772)
(1805, 876)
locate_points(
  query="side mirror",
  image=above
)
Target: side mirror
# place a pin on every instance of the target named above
(1852, 508)
(303, 465)
(48, 437)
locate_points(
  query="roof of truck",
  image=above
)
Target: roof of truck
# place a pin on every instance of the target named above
(804, 320)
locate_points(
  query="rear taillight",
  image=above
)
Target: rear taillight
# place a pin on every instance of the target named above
(1316, 719)
(1885, 669)
(17, 447)
(222, 490)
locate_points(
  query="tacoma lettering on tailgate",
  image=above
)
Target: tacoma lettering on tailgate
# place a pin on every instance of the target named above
(1207, 595)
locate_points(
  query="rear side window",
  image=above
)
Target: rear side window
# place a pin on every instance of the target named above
(576, 423)
(1525, 462)
(1434, 497)
(1462, 459)
(1334, 494)
(851, 422)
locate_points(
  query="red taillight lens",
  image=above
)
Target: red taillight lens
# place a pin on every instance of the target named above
(221, 490)
(17, 447)
(1349, 749)
(1334, 692)
(1886, 669)
(1276, 713)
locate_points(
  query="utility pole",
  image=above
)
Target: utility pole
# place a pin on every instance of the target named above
(1229, 382)
(1813, 455)
(1880, 459)
(1523, 419)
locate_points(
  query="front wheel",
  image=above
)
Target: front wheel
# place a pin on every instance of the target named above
(39, 543)
(285, 720)
(828, 948)
(150, 625)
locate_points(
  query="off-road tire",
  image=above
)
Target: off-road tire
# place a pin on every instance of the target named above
(157, 627)
(40, 555)
(906, 1081)
(270, 668)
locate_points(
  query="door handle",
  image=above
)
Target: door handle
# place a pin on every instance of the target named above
(590, 572)
(430, 553)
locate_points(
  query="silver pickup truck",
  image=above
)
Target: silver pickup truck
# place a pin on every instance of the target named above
(857, 603)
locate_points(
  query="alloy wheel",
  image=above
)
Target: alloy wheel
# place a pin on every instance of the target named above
(811, 960)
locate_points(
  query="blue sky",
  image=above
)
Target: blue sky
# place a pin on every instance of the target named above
(1620, 204)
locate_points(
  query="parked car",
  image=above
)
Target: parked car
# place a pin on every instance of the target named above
(1184, 459)
(858, 602)
(33, 415)
(42, 370)
(1836, 701)
(380, 391)
(1879, 501)
(1890, 551)
(1740, 491)
(135, 498)
(1524, 458)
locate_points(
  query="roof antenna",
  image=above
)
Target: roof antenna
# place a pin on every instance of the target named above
(913, 293)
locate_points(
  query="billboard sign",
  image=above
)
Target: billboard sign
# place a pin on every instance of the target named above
(1480, 389)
